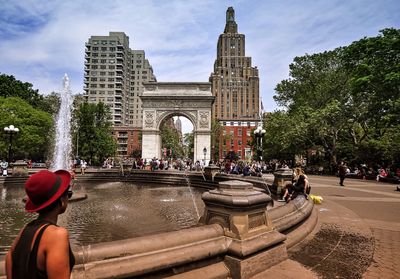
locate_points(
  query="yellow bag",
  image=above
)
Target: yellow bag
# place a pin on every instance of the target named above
(316, 199)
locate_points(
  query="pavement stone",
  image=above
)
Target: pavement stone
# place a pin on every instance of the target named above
(366, 209)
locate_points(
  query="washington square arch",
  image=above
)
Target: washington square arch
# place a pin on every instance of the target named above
(162, 100)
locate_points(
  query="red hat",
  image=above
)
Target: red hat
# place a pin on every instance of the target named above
(45, 187)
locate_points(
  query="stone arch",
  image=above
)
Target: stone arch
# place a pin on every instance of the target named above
(161, 100)
(168, 114)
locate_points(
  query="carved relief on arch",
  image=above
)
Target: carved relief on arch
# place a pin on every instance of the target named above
(149, 119)
(160, 116)
(204, 119)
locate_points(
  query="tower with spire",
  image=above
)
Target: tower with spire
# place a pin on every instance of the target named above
(235, 85)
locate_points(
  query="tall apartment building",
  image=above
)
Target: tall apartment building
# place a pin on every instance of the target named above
(113, 75)
(235, 85)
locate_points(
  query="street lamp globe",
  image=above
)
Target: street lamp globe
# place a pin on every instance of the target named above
(259, 134)
(10, 130)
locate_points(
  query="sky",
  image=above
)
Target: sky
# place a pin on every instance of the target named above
(41, 40)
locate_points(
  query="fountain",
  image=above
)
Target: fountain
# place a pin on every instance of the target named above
(191, 194)
(62, 152)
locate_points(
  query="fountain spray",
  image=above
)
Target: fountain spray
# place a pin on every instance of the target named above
(63, 150)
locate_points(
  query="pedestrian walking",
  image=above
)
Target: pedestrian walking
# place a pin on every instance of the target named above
(4, 167)
(342, 172)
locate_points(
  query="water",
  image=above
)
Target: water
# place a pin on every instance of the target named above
(191, 194)
(112, 211)
(63, 149)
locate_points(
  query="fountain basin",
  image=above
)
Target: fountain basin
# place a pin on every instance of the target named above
(180, 253)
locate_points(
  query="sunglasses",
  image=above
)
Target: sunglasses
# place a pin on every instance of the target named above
(69, 192)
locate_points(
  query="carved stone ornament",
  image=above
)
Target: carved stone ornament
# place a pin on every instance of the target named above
(177, 103)
(150, 87)
(149, 119)
(204, 119)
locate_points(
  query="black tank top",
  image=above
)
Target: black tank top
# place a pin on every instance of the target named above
(24, 260)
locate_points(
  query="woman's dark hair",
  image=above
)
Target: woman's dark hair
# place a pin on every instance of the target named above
(53, 204)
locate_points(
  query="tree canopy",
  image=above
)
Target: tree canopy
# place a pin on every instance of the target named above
(93, 132)
(34, 125)
(345, 102)
(11, 87)
(171, 140)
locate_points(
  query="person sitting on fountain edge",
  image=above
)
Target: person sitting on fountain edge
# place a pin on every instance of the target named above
(42, 249)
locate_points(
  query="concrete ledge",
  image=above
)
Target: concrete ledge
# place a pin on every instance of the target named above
(250, 266)
(244, 248)
(291, 214)
(305, 228)
(214, 271)
(146, 244)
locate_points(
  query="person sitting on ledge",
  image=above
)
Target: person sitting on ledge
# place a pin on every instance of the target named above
(42, 249)
(295, 189)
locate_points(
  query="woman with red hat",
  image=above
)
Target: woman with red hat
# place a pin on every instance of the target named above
(42, 249)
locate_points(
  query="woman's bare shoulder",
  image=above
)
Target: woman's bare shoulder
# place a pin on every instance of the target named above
(56, 233)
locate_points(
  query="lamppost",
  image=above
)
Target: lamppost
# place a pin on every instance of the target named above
(205, 153)
(259, 134)
(11, 130)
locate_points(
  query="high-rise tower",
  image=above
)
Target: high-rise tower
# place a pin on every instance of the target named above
(235, 85)
(114, 74)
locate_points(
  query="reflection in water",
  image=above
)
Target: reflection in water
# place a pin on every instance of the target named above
(3, 193)
(112, 211)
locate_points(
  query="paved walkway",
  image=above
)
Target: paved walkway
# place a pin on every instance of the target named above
(357, 236)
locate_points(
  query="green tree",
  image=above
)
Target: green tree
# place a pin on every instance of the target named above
(171, 140)
(95, 141)
(344, 101)
(34, 125)
(216, 137)
(316, 95)
(374, 67)
(11, 87)
(189, 144)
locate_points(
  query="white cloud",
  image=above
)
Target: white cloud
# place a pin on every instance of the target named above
(41, 40)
